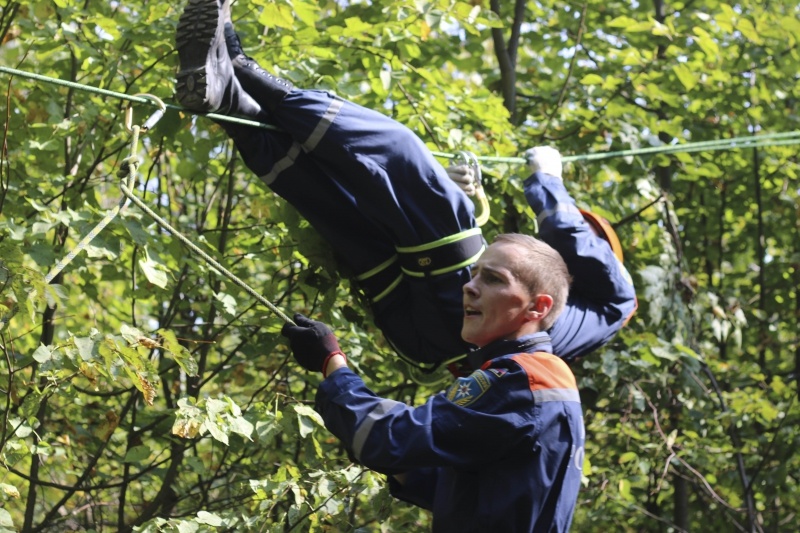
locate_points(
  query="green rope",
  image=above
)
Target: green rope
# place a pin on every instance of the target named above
(131, 98)
(733, 143)
(130, 167)
(210, 260)
(754, 141)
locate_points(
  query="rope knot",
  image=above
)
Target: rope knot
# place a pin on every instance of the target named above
(128, 166)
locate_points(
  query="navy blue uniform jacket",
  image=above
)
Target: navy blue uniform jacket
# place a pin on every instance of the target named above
(500, 450)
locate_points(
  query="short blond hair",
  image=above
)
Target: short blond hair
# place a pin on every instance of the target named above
(542, 270)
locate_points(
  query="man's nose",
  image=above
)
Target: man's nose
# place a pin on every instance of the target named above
(469, 288)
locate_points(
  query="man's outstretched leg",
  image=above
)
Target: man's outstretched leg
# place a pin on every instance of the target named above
(272, 88)
(387, 168)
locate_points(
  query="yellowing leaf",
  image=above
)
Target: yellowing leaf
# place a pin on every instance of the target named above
(148, 391)
(107, 427)
(186, 429)
(9, 490)
(425, 30)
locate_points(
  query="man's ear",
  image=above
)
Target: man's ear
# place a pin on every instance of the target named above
(539, 307)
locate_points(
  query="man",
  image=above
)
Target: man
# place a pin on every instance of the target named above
(388, 208)
(500, 450)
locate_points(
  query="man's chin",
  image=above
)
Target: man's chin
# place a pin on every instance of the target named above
(466, 337)
(470, 336)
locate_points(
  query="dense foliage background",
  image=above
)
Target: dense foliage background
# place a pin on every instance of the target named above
(143, 391)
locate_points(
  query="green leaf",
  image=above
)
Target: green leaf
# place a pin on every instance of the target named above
(215, 406)
(592, 79)
(673, 435)
(307, 418)
(5, 519)
(386, 80)
(749, 31)
(186, 526)
(130, 334)
(276, 16)
(627, 457)
(228, 302)
(686, 75)
(43, 354)
(355, 27)
(307, 12)
(47, 146)
(43, 255)
(181, 355)
(622, 22)
(625, 490)
(242, 427)
(153, 271)
(137, 454)
(216, 431)
(86, 348)
(211, 519)
(706, 43)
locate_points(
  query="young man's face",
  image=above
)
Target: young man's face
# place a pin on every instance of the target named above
(496, 304)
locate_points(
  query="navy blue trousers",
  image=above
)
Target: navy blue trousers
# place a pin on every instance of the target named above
(367, 184)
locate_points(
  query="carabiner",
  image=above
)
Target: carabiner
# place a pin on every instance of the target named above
(154, 118)
(483, 208)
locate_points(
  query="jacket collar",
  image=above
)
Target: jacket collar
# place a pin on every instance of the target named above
(536, 342)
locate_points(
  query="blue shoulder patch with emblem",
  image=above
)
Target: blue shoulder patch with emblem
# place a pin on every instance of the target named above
(465, 391)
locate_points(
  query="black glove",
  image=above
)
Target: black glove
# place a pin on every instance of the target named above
(312, 342)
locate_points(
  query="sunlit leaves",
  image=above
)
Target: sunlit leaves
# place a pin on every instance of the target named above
(155, 363)
(153, 270)
(6, 522)
(218, 417)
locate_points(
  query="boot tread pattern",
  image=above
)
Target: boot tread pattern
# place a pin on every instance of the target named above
(197, 31)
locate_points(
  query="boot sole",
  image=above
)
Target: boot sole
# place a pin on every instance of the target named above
(198, 29)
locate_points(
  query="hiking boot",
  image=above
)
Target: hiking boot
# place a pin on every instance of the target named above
(266, 89)
(205, 80)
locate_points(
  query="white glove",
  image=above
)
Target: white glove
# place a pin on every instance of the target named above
(544, 159)
(464, 176)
